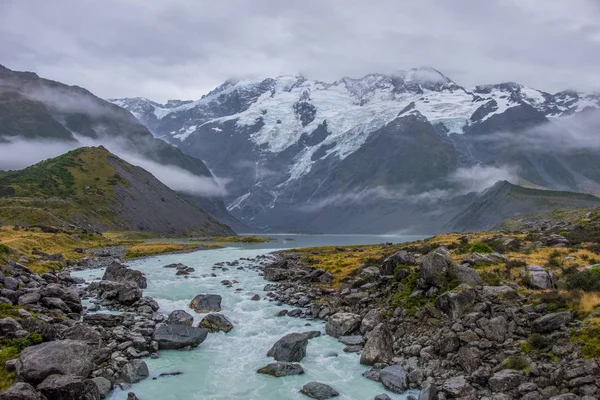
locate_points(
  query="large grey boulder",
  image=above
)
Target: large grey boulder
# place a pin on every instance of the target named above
(56, 304)
(402, 257)
(104, 385)
(215, 322)
(434, 269)
(180, 317)
(134, 371)
(84, 333)
(104, 320)
(538, 278)
(342, 324)
(370, 320)
(319, 391)
(69, 387)
(506, 380)
(457, 302)
(551, 322)
(275, 274)
(9, 327)
(21, 391)
(29, 298)
(428, 391)
(179, 336)
(279, 368)
(118, 272)
(379, 347)
(290, 348)
(394, 378)
(458, 387)
(465, 274)
(495, 328)
(204, 303)
(65, 357)
(68, 295)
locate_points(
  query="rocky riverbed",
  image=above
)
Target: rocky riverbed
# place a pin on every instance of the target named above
(425, 321)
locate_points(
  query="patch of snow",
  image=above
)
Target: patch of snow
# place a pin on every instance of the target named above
(217, 129)
(187, 132)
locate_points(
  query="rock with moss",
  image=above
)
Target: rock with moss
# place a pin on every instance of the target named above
(457, 302)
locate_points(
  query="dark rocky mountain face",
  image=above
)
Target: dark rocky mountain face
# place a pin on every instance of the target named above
(293, 147)
(33, 108)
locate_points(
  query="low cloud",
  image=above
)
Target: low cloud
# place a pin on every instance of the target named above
(479, 178)
(19, 154)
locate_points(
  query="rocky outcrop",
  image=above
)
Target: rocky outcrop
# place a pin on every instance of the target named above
(134, 371)
(69, 387)
(180, 317)
(342, 324)
(21, 391)
(457, 302)
(178, 336)
(290, 348)
(278, 369)
(394, 378)
(215, 322)
(118, 272)
(551, 322)
(65, 357)
(204, 303)
(401, 258)
(319, 391)
(379, 347)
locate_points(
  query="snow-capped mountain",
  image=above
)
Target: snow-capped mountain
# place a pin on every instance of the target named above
(292, 142)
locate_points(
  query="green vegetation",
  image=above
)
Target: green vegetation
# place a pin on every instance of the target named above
(518, 363)
(587, 280)
(481, 247)
(11, 349)
(589, 337)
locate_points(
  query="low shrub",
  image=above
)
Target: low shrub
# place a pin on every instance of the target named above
(481, 247)
(587, 280)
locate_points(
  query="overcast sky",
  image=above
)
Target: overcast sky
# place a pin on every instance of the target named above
(182, 49)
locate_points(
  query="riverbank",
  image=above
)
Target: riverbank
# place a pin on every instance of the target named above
(483, 315)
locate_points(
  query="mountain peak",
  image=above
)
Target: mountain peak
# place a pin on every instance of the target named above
(425, 74)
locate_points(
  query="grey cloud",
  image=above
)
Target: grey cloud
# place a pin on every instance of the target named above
(19, 154)
(182, 49)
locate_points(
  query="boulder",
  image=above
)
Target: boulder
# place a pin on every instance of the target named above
(66, 357)
(538, 278)
(458, 387)
(84, 333)
(370, 320)
(400, 258)
(215, 322)
(204, 303)
(494, 329)
(434, 269)
(382, 397)
(9, 327)
(342, 324)
(29, 298)
(21, 391)
(180, 317)
(319, 391)
(379, 347)
(428, 392)
(457, 302)
(506, 380)
(290, 348)
(134, 371)
(275, 274)
(104, 320)
(56, 303)
(551, 322)
(68, 295)
(104, 385)
(178, 336)
(278, 369)
(394, 378)
(465, 274)
(69, 387)
(118, 272)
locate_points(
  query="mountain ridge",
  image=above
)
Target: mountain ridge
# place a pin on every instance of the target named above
(94, 189)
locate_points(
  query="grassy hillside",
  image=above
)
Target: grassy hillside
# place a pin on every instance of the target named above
(91, 188)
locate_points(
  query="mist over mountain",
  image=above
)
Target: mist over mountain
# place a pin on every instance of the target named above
(406, 142)
(40, 118)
